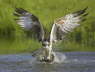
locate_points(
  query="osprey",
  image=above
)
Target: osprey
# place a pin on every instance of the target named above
(32, 26)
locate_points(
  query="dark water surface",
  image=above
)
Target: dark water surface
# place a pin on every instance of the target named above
(74, 62)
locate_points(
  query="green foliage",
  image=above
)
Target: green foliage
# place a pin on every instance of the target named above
(12, 37)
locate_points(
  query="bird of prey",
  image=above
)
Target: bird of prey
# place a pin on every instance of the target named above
(61, 27)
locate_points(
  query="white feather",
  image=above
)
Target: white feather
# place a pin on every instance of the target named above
(68, 23)
(25, 22)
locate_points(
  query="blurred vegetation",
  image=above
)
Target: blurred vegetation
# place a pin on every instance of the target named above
(12, 37)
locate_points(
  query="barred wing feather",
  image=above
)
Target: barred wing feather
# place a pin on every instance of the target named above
(66, 24)
(29, 23)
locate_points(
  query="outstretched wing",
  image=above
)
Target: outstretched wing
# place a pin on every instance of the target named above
(66, 24)
(29, 23)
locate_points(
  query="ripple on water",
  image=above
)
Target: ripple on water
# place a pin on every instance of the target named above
(67, 62)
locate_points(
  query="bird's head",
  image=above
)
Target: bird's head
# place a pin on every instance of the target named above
(46, 44)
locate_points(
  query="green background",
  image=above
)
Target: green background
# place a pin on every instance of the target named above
(12, 37)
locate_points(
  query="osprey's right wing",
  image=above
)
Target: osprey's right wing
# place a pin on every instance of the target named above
(30, 23)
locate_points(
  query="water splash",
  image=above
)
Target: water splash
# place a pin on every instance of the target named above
(67, 62)
(59, 57)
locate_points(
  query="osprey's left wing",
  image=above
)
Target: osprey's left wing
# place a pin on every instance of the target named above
(30, 23)
(66, 24)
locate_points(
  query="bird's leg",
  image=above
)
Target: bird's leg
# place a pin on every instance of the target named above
(47, 53)
(50, 54)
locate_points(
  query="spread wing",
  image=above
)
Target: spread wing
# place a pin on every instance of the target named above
(30, 23)
(66, 24)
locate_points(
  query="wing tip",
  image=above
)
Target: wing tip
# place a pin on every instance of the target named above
(20, 10)
(85, 14)
(85, 9)
(80, 12)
